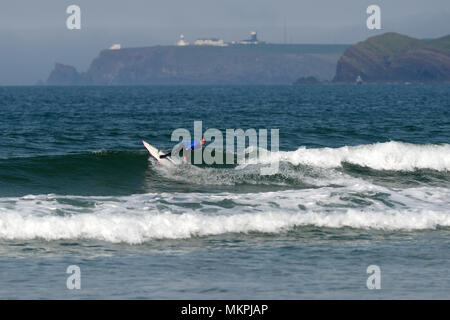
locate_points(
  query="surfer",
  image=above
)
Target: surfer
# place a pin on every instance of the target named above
(187, 146)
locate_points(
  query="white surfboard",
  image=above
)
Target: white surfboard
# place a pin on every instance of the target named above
(154, 152)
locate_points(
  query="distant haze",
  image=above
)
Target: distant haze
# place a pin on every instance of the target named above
(33, 34)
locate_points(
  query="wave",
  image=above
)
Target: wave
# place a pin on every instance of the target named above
(393, 155)
(394, 164)
(137, 230)
(100, 172)
(140, 218)
(106, 172)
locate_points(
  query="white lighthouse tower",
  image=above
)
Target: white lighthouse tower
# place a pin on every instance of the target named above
(181, 42)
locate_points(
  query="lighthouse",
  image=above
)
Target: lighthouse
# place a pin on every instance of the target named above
(181, 42)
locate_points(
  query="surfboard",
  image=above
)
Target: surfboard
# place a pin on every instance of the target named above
(154, 152)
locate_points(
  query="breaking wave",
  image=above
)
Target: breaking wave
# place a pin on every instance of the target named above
(140, 218)
(379, 156)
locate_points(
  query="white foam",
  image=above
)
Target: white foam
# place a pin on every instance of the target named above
(380, 156)
(138, 229)
(251, 174)
(140, 218)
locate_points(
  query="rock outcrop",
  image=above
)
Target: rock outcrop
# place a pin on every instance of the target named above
(307, 80)
(64, 75)
(393, 57)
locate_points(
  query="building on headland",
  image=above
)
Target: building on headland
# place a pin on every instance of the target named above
(219, 42)
(210, 42)
(181, 42)
(115, 46)
(253, 39)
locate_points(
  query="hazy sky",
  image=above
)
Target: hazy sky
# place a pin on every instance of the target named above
(33, 33)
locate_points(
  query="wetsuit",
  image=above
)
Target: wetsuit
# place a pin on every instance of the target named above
(188, 146)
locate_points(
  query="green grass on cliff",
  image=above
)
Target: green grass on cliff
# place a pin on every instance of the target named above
(441, 43)
(391, 44)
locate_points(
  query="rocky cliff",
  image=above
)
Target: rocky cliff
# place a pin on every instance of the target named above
(64, 75)
(393, 57)
(240, 64)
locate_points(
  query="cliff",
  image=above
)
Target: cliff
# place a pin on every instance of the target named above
(239, 64)
(393, 57)
(64, 75)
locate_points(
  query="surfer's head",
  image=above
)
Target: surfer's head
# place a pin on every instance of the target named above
(203, 141)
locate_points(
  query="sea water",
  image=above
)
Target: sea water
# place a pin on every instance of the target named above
(363, 180)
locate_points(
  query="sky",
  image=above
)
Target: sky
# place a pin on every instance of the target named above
(33, 34)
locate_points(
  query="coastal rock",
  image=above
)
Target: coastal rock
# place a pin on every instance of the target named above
(307, 80)
(393, 57)
(64, 75)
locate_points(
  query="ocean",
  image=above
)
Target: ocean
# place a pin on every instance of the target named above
(363, 180)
